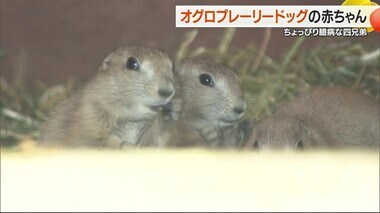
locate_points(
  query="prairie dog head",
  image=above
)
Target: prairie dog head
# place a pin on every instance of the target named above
(279, 132)
(210, 92)
(139, 81)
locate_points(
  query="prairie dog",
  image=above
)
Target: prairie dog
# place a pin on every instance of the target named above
(210, 102)
(116, 106)
(323, 117)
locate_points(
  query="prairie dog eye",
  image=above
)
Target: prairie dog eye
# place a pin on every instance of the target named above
(133, 64)
(206, 80)
(300, 145)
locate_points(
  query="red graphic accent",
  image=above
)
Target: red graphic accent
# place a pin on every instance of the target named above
(375, 20)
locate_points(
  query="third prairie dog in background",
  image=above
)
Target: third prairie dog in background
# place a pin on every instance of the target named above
(117, 105)
(323, 117)
(212, 103)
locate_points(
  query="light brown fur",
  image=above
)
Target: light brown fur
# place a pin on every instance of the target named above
(207, 115)
(116, 105)
(323, 117)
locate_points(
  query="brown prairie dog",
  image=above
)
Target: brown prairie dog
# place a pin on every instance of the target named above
(210, 101)
(323, 117)
(115, 107)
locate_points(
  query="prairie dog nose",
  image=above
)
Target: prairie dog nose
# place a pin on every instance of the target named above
(164, 93)
(239, 110)
(167, 88)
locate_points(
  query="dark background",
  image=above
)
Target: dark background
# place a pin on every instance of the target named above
(53, 40)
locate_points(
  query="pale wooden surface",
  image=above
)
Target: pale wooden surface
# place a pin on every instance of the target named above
(189, 180)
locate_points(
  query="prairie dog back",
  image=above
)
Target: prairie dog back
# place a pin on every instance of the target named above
(117, 104)
(323, 117)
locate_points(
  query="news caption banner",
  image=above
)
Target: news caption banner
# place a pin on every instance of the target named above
(296, 20)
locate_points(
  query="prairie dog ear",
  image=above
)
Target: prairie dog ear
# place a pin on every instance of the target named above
(177, 68)
(106, 62)
(309, 137)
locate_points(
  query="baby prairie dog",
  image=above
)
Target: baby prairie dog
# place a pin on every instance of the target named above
(321, 118)
(211, 103)
(117, 105)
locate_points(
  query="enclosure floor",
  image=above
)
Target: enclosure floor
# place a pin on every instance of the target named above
(188, 180)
